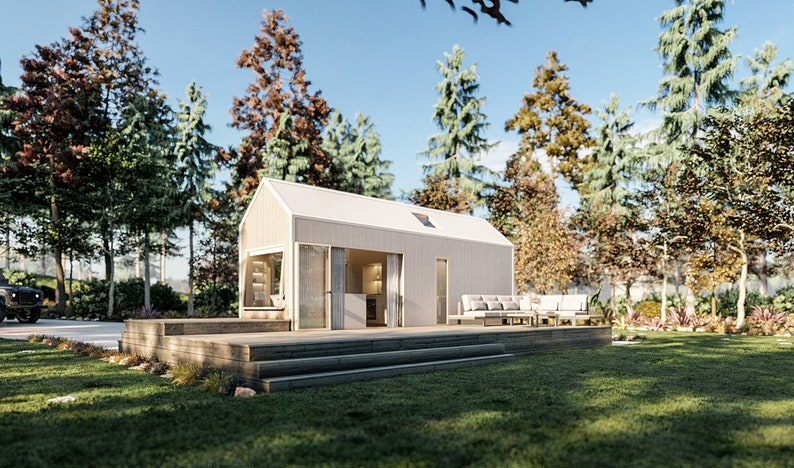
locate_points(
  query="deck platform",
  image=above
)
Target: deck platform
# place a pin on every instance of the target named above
(271, 358)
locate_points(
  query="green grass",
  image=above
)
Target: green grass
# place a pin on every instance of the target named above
(676, 399)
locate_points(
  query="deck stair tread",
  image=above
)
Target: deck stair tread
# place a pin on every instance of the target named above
(292, 382)
(296, 366)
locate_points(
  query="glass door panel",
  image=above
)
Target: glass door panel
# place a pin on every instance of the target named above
(313, 286)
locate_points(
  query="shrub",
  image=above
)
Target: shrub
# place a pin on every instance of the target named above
(188, 373)
(766, 320)
(216, 301)
(726, 301)
(166, 299)
(91, 300)
(150, 312)
(218, 382)
(784, 300)
(649, 309)
(20, 277)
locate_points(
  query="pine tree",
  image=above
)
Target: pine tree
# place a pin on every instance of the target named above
(607, 216)
(550, 120)
(765, 87)
(355, 155)
(195, 169)
(454, 153)
(153, 204)
(277, 104)
(9, 145)
(697, 64)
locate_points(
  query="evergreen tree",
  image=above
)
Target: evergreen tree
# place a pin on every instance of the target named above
(153, 204)
(454, 153)
(355, 155)
(551, 121)
(277, 105)
(195, 169)
(697, 64)
(607, 214)
(217, 267)
(765, 87)
(9, 145)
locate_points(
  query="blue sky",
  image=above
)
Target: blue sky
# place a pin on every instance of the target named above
(379, 56)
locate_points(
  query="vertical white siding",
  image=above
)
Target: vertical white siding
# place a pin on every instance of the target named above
(473, 267)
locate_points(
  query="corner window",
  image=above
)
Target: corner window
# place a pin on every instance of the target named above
(264, 283)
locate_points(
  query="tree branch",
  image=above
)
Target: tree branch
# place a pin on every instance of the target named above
(494, 9)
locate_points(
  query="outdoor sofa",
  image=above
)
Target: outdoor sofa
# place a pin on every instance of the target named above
(552, 308)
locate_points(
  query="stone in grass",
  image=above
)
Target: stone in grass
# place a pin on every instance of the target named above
(62, 399)
(243, 392)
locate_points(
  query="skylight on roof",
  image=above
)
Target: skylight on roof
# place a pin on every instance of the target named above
(424, 219)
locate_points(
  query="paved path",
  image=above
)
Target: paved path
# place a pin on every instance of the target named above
(105, 334)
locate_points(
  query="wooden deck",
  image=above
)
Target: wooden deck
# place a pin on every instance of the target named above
(274, 359)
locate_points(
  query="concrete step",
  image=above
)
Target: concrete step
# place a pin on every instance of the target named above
(313, 365)
(298, 348)
(292, 382)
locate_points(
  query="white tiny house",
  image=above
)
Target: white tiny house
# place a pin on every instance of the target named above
(325, 259)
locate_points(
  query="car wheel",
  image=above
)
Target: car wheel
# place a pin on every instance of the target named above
(28, 316)
(2, 312)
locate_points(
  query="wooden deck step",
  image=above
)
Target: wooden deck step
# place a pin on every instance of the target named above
(292, 382)
(313, 365)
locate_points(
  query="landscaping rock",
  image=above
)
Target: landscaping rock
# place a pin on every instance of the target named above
(62, 399)
(243, 392)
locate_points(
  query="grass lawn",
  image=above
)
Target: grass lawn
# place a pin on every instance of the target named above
(677, 399)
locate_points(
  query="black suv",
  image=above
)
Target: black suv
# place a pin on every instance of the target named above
(21, 302)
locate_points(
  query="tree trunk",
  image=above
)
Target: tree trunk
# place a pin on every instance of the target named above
(629, 304)
(663, 315)
(147, 282)
(763, 283)
(190, 310)
(690, 302)
(163, 248)
(742, 284)
(8, 249)
(110, 273)
(60, 283)
(612, 305)
(137, 262)
(107, 252)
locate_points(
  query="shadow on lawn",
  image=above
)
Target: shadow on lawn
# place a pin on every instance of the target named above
(672, 400)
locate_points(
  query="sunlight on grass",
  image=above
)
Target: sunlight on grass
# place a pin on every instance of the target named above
(674, 400)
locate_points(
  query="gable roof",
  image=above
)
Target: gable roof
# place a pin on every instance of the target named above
(309, 202)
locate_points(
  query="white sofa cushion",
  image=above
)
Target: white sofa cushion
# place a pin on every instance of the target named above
(468, 298)
(494, 305)
(478, 305)
(509, 305)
